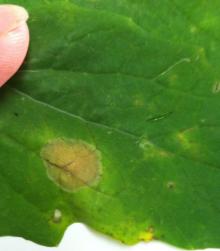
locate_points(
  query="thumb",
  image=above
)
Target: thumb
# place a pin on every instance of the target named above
(14, 40)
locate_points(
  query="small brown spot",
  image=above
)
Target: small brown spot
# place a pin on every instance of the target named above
(171, 185)
(72, 164)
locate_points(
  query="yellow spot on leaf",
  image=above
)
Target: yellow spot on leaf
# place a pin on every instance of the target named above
(216, 87)
(152, 150)
(187, 140)
(184, 140)
(193, 29)
(147, 236)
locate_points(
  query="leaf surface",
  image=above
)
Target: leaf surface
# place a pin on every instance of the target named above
(134, 82)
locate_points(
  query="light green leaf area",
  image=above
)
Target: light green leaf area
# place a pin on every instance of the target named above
(114, 121)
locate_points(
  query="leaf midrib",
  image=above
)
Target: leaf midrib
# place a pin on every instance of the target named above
(122, 132)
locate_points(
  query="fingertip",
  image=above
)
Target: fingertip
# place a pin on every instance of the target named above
(11, 17)
(13, 45)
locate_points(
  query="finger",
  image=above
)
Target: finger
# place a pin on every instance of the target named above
(14, 40)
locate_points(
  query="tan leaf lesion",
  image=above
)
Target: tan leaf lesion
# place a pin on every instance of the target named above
(72, 164)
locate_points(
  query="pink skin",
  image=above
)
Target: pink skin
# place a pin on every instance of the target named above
(14, 40)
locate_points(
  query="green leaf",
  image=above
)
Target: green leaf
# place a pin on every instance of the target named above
(114, 121)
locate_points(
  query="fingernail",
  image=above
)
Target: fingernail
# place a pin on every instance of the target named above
(20, 13)
(11, 16)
